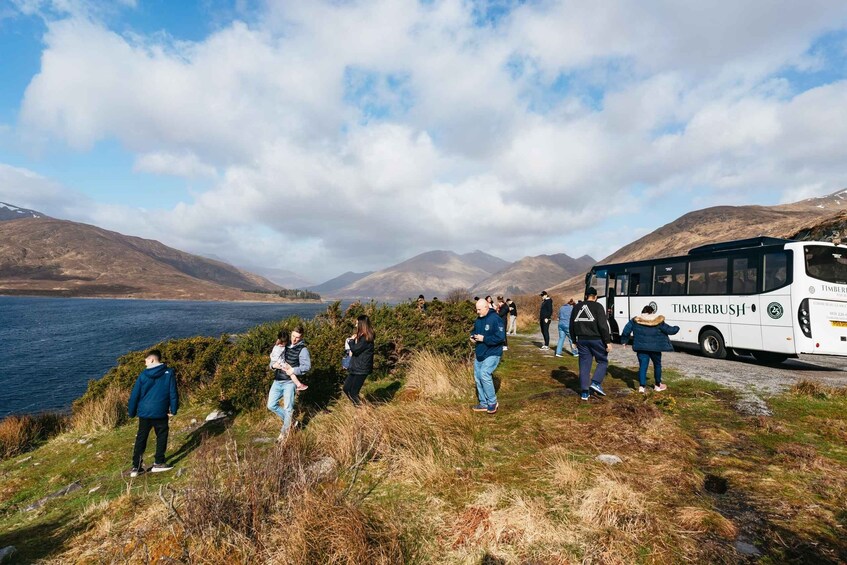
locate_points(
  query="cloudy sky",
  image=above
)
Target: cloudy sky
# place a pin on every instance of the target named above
(335, 135)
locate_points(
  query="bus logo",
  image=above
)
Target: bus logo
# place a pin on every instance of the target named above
(775, 310)
(811, 290)
(654, 306)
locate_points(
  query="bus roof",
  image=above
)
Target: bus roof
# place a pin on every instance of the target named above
(722, 247)
(738, 244)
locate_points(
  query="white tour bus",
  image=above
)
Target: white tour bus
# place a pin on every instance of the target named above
(772, 298)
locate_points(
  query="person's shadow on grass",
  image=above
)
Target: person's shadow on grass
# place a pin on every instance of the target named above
(209, 429)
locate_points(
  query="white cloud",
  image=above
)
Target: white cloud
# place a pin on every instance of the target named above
(367, 132)
(185, 165)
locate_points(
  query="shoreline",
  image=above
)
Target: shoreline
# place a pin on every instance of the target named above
(238, 301)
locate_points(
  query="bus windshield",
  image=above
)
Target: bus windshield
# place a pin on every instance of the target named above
(826, 263)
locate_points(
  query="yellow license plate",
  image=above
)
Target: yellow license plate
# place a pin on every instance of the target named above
(839, 323)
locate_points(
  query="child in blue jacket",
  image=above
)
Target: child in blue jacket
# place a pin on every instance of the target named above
(153, 399)
(650, 338)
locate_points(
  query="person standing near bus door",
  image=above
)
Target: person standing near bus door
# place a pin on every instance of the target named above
(589, 326)
(513, 317)
(564, 328)
(650, 337)
(545, 314)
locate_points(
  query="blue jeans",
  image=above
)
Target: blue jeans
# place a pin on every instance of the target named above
(563, 333)
(282, 390)
(644, 358)
(589, 350)
(482, 374)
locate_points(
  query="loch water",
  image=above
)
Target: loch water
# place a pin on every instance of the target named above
(51, 347)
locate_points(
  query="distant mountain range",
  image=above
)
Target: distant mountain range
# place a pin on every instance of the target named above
(332, 285)
(44, 256)
(9, 212)
(432, 273)
(533, 274)
(810, 219)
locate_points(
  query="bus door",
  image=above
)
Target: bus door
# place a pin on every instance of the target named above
(620, 308)
(745, 310)
(611, 294)
(777, 312)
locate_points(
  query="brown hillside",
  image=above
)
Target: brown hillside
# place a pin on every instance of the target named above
(56, 257)
(798, 220)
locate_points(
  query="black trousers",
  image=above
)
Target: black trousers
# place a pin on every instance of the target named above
(545, 331)
(144, 427)
(352, 386)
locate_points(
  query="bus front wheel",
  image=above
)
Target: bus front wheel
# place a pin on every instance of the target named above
(712, 345)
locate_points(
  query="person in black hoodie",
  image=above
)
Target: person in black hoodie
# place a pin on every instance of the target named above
(589, 327)
(362, 358)
(154, 399)
(503, 312)
(545, 314)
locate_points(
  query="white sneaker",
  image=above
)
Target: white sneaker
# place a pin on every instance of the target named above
(505, 348)
(559, 355)
(642, 390)
(544, 348)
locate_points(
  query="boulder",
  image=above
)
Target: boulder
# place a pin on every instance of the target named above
(7, 554)
(609, 459)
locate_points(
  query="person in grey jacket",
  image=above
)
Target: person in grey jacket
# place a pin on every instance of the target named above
(154, 399)
(296, 362)
(650, 338)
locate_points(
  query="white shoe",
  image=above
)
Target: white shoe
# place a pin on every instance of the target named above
(559, 355)
(544, 348)
(642, 390)
(505, 348)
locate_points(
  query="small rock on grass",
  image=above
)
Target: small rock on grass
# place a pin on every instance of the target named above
(609, 459)
(321, 468)
(745, 548)
(216, 415)
(74, 486)
(7, 553)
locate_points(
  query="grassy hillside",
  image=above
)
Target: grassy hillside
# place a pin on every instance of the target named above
(417, 477)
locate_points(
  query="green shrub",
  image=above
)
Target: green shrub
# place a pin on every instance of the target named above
(237, 370)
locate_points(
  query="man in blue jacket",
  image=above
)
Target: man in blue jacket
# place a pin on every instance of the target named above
(154, 399)
(489, 335)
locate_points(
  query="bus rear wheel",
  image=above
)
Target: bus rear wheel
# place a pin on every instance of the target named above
(712, 345)
(769, 358)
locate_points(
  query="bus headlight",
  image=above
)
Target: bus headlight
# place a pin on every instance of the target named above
(803, 317)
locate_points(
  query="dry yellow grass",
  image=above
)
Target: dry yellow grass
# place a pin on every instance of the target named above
(104, 413)
(435, 376)
(611, 503)
(692, 519)
(19, 433)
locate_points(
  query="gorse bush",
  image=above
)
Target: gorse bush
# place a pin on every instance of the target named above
(236, 370)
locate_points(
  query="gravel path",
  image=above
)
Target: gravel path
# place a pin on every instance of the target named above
(753, 381)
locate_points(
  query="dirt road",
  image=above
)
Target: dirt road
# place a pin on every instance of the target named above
(754, 381)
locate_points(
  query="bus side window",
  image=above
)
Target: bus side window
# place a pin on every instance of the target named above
(708, 276)
(670, 279)
(745, 277)
(639, 281)
(620, 285)
(776, 267)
